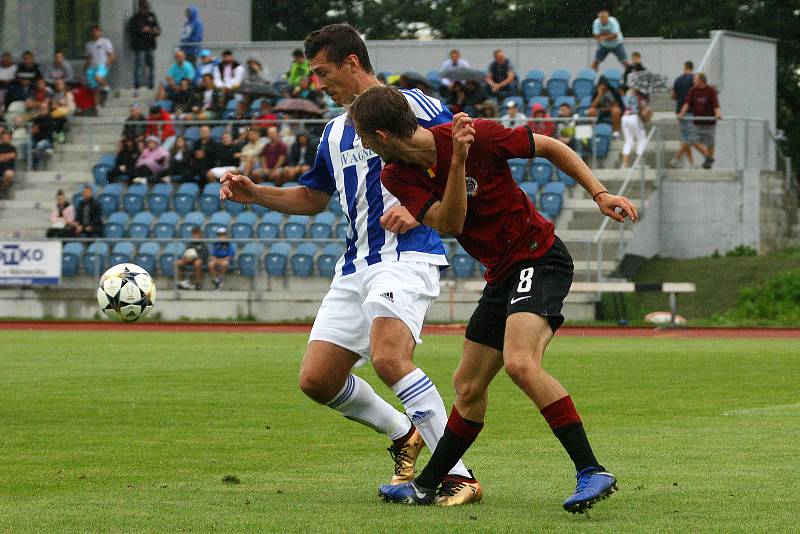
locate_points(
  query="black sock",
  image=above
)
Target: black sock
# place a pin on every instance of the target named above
(458, 435)
(573, 439)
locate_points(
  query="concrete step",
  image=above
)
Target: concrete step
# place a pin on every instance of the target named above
(69, 165)
(56, 178)
(77, 131)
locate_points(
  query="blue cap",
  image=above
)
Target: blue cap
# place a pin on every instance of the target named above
(205, 52)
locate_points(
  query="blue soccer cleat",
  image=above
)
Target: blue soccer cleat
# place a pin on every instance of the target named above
(594, 485)
(407, 493)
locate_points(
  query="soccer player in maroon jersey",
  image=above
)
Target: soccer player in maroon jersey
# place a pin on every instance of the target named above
(455, 178)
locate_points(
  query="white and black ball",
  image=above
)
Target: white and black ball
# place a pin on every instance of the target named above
(126, 292)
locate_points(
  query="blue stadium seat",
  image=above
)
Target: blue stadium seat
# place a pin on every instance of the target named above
(334, 206)
(270, 225)
(601, 141)
(166, 261)
(568, 99)
(583, 105)
(220, 219)
(341, 229)
(166, 105)
(614, 77)
(191, 135)
(133, 199)
(535, 74)
(71, 258)
(295, 227)
(167, 225)
(185, 197)
(556, 188)
(565, 178)
(558, 84)
(518, 171)
(190, 220)
(463, 264)
(231, 105)
(95, 259)
(541, 171)
(583, 84)
(209, 199)
(533, 84)
(250, 258)
(234, 208)
(100, 172)
(115, 225)
(107, 159)
(543, 100)
(146, 257)
(140, 225)
(322, 227)
(550, 204)
(158, 199)
(244, 227)
(122, 252)
(259, 210)
(277, 258)
(326, 261)
(530, 189)
(216, 132)
(516, 99)
(303, 259)
(109, 198)
(255, 106)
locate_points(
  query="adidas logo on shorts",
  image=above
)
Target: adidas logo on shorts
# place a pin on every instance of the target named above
(388, 296)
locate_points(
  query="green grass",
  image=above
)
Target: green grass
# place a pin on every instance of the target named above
(136, 431)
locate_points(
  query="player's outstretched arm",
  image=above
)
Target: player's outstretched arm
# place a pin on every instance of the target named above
(568, 161)
(293, 200)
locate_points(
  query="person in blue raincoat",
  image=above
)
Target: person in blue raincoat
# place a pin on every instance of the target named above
(192, 34)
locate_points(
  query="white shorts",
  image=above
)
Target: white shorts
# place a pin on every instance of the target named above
(400, 289)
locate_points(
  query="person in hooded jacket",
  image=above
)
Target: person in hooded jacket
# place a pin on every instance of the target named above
(192, 34)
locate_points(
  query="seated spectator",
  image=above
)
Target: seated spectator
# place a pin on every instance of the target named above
(42, 129)
(540, 125)
(513, 117)
(38, 95)
(180, 70)
(62, 109)
(88, 222)
(205, 66)
(606, 105)
(501, 78)
(152, 162)
(159, 124)
(566, 130)
(273, 159)
(299, 68)
(125, 162)
(210, 101)
(239, 126)
(301, 157)
(607, 33)
(204, 151)
(255, 83)
(307, 91)
(266, 118)
(61, 217)
(229, 74)
(28, 69)
(250, 153)
(634, 66)
(477, 100)
(455, 60)
(184, 99)
(100, 55)
(134, 124)
(180, 162)
(8, 162)
(222, 252)
(227, 158)
(59, 70)
(195, 255)
(84, 100)
(8, 71)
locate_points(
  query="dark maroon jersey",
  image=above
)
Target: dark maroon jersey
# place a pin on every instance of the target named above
(502, 228)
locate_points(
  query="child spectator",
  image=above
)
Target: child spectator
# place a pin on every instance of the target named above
(196, 255)
(222, 252)
(61, 217)
(541, 126)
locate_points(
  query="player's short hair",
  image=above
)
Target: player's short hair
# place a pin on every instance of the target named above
(384, 108)
(688, 65)
(338, 41)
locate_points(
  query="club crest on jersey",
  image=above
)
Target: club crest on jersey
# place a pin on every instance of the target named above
(472, 186)
(355, 156)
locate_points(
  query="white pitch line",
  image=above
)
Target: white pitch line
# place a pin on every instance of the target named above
(779, 409)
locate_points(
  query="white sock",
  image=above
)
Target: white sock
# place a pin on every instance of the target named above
(359, 402)
(425, 408)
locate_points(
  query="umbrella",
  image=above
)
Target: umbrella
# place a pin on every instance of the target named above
(414, 78)
(462, 73)
(299, 105)
(648, 82)
(260, 88)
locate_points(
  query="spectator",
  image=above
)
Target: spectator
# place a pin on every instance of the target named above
(125, 162)
(28, 69)
(501, 78)
(159, 123)
(229, 74)
(42, 128)
(84, 100)
(192, 34)
(565, 128)
(240, 115)
(143, 30)
(634, 66)
(8, 71)
(206, 66)
(61, 217)
(204, 153)
(27, 72)
(301, 157)
(59, 70)
(38, 95)
(248, 156)
(8, 162)
(152, 162)
(609, 39)
(476, 99)
(184, 99)
(680, 89)
(255, 82)
(195, 255)
(180, 161)
(454, 61)
(88, 222)
(266, 118)
(222, 253)
(227, 158)
(210, 101)
(62, 105)
(702, 101)
(541, 125)
(306, 90)
(273, 158)
(606, 105)
(299, 68)
(513, 117)
(134, 125)
(100, 55)
(632, 125)
(181, 70)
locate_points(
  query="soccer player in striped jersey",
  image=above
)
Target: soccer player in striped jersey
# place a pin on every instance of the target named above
(384, 283)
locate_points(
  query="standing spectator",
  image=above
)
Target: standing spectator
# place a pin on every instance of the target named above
(192, 34)
(134, 125)
(8, 71)
(608, 35)
(513, 117)
(273, 158)
(606, 105)
(632, 125)
(180, 161)
(541, 125)
(88, 222)
(454, 61)
(143, 30)
(61, 217)
(228, 75)
(196, 254)
(125, 162)
(152, 162)
(42, 129)
(501, 78)
(299, 68)
(301, 156)
(62, 105)
(634, 66)
(205, 152)
(59, 70)
(8, 162)
(222, 252)
(680, 89)
(100, 55)
(160, 124)
(181, 70)
(205, 66)
(702, 101)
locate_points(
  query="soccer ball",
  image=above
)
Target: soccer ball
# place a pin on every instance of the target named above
(126, 292)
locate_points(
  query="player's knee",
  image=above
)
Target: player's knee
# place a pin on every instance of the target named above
(521, 368)
(469, 391)
(384, 363)
(316, 387)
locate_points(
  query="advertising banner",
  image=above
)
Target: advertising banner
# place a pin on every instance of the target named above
(30, 263)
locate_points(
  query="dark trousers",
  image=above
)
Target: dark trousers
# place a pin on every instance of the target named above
(143, 61)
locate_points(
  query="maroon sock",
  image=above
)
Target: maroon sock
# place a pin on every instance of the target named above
(457, 438)
(566, 424)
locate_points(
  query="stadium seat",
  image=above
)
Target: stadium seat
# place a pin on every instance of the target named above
(167, 225)
(191, 135)
(158, 199)
(614, 77)
(255, 106)
(166, 105)
(583, 105)
(303, 259)
(185, 197)
(216, 132)
(556, 188)
(541, 171)
(259, 210)
(234, 208)
(558, 84)
(518, 171)
(550, 204)
(249, 259)
(533, 84)
(166, 261)
(568, 99)
(270, 225)
(190, 220)
(220, 219)
(139, 226)
(276, 259)
(295, 227)
(334, 205)
(109, 198)
(463, 264)
(101, 169)
(209, 199)
(326, 261)
(516, 99)
(322, 227)
(601, 141)
(146, 257)
(583, 84)
(341, 229)
(95, 259)
(122, 252)
(530, 189)
(115, 225)
(564, 178)
(544, 101)
(244, 227)
(71, 258)
(133, 200)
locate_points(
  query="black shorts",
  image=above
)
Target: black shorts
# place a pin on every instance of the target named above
(537, 286)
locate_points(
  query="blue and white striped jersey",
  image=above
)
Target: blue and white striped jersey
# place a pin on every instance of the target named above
(343, 165)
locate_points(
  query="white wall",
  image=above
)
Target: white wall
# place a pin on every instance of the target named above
(28, 25)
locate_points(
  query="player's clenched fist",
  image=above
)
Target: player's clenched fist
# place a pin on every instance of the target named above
(463, 135)
(398, 220)
(237, 188)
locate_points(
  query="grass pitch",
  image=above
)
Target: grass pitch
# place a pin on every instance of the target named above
(208, 432)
